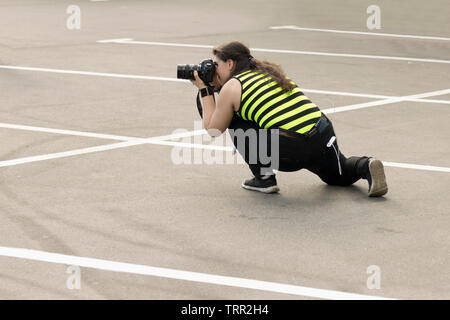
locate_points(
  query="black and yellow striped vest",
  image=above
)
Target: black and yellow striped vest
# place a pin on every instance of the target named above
(263, 102)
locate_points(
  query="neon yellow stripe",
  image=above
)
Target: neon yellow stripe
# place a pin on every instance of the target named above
(273, 101)
(289, 103)
(253, 81)
(290, 113)
(247, 76)
(268, 94)
(310, 116)
(284, 106)
(269, 104)
(255, 84)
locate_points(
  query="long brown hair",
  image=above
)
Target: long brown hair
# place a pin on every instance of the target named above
(240, 54)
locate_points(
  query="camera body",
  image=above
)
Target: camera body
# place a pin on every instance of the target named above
(205, 69)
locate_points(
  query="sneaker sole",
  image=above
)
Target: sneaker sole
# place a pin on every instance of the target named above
(272, 189)
(379, 186)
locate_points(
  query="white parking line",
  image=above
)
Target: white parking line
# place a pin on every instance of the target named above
(386, 101)
(374, 96)
(361, 33)
(140, 77)
(50, 156)
(163, 140)
(415, 166)
(131, 141)
(112, 146)
(115, 266)
(315, 53)
(66, 132)
(97, 135)
(88, 73)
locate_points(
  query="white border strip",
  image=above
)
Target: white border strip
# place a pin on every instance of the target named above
(315, 53)
(181, 275)
(361, 33)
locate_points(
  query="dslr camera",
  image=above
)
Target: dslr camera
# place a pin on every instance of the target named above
(205, 69)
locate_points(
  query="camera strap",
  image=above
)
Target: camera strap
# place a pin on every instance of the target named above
(199, 105)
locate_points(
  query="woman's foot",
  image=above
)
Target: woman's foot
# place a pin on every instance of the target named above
(376, 178)
(265, 184)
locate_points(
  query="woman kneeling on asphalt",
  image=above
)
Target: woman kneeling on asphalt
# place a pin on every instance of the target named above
(257, 96)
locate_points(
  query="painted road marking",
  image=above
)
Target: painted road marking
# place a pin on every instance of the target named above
(141, 77)
(115, 266)
(314, 53)
(386, 101)
(361, 33)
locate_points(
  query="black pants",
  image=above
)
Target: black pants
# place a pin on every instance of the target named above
(301, 152)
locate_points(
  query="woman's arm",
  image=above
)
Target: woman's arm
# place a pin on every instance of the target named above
(217, 116)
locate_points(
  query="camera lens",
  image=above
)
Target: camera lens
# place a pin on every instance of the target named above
(181, 71)
(186, 71)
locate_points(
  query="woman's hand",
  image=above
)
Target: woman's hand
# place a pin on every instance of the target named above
(198, 82)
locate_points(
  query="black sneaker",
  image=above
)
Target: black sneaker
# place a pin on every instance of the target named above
(268, 185)
(376, 178)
